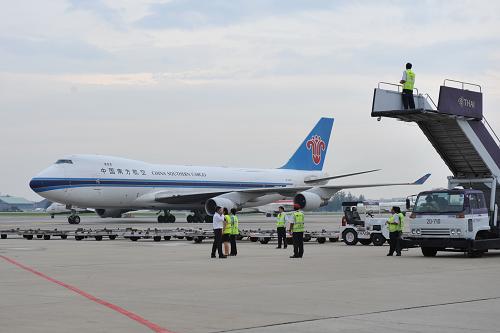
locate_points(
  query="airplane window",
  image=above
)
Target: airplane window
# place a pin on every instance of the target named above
(64, 161)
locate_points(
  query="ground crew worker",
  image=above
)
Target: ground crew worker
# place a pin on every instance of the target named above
(408, 81)
(234, 232)
(217, 224)
(281, 227)
(394, 225)
(226, 232)
(297, 230)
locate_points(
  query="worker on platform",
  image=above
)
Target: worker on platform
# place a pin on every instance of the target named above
(218, 225)
(394, 225)
(281, 227)
(297, 230)
(408, 81)
(226, 231)
(234, 231)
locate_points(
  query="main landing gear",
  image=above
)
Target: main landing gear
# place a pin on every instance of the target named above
(199, 216)
(73, 218)
(166, 217)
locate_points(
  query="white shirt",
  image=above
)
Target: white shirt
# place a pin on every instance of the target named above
(396, 218)
(218, 221)
(404, 76)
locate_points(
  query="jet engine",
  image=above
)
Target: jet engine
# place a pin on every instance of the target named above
(110, 212)
(309, 201)
(210, 204)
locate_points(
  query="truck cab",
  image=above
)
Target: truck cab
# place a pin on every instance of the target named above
(450, 220)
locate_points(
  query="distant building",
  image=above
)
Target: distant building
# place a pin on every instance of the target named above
(15, 204)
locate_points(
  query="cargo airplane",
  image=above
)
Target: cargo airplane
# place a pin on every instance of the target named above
(113, 185)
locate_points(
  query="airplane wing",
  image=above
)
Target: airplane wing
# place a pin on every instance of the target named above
(178, 198)
(187, 197)
(419, 181)
(317, 180)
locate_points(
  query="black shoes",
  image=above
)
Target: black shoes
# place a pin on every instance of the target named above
(278, 247)
(222, 257)
(213, 256)
(398, 255)
(389, 254)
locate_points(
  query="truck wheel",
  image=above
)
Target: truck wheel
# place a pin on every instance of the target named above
(429, 251)
(378, 239)
(350, 237)
(365, 241)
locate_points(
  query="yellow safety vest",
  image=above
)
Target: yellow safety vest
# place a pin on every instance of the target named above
(280, 220)
(227, 229)
(298, 221)
(234, 225)
(401, 222)
(392, 227)
(410, 80)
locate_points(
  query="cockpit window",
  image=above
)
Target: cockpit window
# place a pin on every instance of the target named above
(64, 162)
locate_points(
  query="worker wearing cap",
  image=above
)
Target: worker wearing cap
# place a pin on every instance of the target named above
(234, 232)
(394, 225)
(281, 227)
(297, 230)
(408, 81)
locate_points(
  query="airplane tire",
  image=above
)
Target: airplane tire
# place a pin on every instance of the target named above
(161, 219)
(64, 236)
(112, 237)
(134, 238)
(157, 238)
(189, 238)
(46, 237)
(189, 219)
(70, 219)
(166, 237)
(3, 236)
(208, 219)
(321, 240)
(171, 219)
(29, 237)
(76, 220)
(199, 239)
(98, 238)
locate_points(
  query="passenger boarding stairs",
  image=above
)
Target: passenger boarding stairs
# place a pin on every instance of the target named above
(457, 130)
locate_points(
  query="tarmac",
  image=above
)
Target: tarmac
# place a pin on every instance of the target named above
(174, 286)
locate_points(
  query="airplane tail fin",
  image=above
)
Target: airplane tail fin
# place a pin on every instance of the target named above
(312, 151)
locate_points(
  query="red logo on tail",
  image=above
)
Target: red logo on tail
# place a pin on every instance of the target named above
(316, 146)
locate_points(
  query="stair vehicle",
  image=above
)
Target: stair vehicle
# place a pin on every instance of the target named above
(463, 217)
(370, 230)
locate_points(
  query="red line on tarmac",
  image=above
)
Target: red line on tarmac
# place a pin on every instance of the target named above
(131, 315)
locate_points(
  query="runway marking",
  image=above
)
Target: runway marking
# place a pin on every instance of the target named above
(154, 327)
(359, 314)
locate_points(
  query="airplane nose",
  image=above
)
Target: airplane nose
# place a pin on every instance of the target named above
(35, 184)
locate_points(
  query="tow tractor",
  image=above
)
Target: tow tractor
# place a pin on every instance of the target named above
(370, 230)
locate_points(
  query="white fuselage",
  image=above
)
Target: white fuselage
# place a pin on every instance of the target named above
(110, 182)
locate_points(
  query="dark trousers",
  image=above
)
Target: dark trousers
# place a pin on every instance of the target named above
(232, 239)
(395, 242)
(281, 236)
(298, 244)
(408, 101)
(217, 242)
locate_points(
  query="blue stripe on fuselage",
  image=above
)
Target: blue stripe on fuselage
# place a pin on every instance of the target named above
(48, 184)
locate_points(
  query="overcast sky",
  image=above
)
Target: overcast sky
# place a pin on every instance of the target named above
(154, 80)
